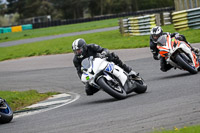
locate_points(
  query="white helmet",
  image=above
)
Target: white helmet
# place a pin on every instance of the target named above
(79, 47)
(156, 32)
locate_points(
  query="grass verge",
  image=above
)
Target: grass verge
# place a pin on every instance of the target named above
(109, 39)
(20, 99)
(58, 30)
(190, 129)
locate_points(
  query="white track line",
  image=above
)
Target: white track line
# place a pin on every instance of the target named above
(49, 102)
(76, 97)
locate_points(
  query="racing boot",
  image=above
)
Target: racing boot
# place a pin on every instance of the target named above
(133, 74)
(90, 90)
(164, 66)
(129, 86)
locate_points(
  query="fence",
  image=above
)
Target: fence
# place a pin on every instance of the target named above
(187, 19)
(81, 20)
(139, 25)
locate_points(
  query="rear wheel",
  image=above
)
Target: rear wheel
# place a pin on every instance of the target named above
(185, 64)
(141, 86)
(113, 89)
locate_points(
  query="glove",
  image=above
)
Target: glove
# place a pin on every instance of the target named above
(179, 37)
(103, 54)
(82, 69)
(174, 34)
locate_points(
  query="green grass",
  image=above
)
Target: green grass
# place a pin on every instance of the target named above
(20, 99)
(190, 129)
(58, 30)
(109, 39)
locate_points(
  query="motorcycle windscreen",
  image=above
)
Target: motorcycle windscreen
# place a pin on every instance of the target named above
(162, 40)
(86, 63)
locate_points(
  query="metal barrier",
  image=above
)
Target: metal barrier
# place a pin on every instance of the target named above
(27, 27)
(16, 28)
(166, 18)
(186, 19)
(6, 30)
(139, 25)
(1, 30)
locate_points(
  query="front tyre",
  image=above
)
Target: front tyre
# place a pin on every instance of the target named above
(6, 114)
(185, 65)
(115, 91)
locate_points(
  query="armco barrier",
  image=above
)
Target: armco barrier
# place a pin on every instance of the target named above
(7, 29)
(138, 25)
(1, 30)
(186, 19)
(166, 18)
(27, 27)
(16, 28)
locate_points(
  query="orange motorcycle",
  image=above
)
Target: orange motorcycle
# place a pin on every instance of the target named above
(178, 54)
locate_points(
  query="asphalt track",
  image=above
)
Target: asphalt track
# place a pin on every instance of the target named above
(172, 98)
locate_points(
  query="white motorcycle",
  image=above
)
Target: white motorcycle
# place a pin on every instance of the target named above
(178, 54)
(105, 75)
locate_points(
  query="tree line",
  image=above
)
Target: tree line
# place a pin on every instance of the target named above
(72, 9)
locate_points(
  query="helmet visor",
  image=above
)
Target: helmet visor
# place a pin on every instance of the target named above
(78, 52)
(155, 37)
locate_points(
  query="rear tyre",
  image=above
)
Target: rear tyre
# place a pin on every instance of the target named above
(141, 86)
(185, 64)
(115, 91)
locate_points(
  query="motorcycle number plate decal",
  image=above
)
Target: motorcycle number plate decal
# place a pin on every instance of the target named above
(109, 67)
(87, 78)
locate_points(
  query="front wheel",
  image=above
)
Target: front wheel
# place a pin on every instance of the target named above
(112, 89)
(185, 65)
(6, 114)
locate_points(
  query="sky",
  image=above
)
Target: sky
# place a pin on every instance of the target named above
(3, 1)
